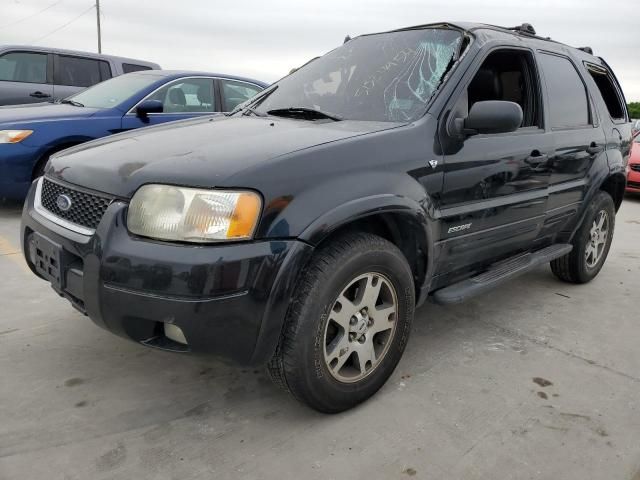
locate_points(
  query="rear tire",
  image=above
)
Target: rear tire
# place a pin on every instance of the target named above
(348, 324)
(591, 243)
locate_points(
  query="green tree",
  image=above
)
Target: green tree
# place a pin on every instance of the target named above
(634, 109)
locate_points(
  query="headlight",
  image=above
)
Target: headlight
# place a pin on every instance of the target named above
(193, 215)
(14, 136)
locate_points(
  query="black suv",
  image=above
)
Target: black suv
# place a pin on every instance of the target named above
(302, 231)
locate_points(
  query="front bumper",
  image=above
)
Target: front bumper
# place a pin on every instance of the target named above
(633, 181)
(229, 300)
(17, 162)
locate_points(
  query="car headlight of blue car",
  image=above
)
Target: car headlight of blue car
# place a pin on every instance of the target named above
(14, 136)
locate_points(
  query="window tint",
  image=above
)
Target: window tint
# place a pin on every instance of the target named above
(130, 67)
(609, 93)
(105, 70)
(568, 104)
(234, 93)
(508, 75)
(192, 95)
(24, 67)
(77, 71)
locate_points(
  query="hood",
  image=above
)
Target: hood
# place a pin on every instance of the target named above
(202, 152)
(42, 112)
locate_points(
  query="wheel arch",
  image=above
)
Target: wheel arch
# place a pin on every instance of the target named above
(615, 185)
(60, 145)
(400, 220)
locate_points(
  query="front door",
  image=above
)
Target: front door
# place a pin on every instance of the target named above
(495, 185)
(181, 99)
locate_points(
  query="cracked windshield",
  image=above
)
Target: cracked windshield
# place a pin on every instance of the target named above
(384, 77)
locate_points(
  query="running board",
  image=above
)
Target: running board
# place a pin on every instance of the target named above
(499, 273)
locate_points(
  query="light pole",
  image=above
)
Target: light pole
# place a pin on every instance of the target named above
(99, 33)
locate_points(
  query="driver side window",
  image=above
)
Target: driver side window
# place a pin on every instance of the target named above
(508, 75)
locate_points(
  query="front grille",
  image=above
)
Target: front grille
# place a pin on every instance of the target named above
(635, 167)
(633, 184)
(86, 209)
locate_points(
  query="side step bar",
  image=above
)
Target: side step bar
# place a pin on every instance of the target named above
(499, 273)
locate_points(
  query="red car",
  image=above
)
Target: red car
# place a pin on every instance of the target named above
(633, 170)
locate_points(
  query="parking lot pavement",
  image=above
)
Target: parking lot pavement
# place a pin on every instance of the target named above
(79, 403)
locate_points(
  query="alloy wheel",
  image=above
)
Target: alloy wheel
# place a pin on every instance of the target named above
(599, 234)
(360, 327)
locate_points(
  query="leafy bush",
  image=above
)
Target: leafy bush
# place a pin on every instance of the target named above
(634, 109)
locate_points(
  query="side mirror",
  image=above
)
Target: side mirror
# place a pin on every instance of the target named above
(149, 106)
(491, 116)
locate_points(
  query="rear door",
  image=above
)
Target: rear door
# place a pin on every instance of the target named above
(181, 99)
(72, 74)
(578, 138)
(495, 185)
(25, 77)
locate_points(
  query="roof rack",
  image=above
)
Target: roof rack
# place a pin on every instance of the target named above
(588, 50)
(526, 28)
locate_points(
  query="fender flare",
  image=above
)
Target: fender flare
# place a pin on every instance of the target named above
(394, 205)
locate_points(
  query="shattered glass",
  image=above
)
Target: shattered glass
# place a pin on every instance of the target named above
(383, 77)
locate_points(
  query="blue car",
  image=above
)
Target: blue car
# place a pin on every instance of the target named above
(30, 134)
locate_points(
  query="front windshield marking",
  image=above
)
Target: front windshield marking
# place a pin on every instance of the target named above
(421, 78)
(383, 77)
(114, 91)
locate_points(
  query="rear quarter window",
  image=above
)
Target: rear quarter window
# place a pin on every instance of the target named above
(608, 91)
(131, 67)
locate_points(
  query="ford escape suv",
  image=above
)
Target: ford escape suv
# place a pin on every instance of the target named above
(302, 230)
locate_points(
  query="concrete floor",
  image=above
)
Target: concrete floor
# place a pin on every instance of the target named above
(79, 403)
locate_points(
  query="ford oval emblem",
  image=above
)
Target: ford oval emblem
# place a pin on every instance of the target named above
(63, 202)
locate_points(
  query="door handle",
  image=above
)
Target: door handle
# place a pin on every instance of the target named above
(536, 158)
(39, 94)
(594, 148)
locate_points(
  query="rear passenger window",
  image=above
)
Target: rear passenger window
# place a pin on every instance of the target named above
(105, 70)
(234, 93)
(24, 67)
(130, 67)
(78, 71)
(608, 91)
(568, 104)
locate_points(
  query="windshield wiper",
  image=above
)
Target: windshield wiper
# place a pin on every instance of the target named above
(71, 102)
(303, 112)
(252, 110)
(253, 101)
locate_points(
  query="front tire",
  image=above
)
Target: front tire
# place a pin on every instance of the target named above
(348, 324)
(591, 243)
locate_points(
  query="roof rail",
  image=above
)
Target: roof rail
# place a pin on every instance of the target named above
(588, 50)
(526, 28)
